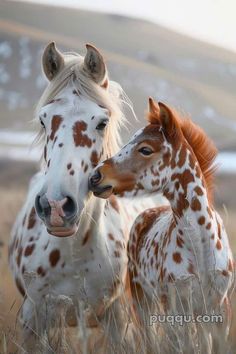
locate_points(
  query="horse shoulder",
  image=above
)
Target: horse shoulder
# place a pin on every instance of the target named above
(141, 227)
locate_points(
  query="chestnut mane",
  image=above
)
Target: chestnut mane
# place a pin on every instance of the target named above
(204, 150)
(203, 147)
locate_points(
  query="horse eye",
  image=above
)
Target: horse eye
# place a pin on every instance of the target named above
(102, 125)
(146, 151)
(41, 122)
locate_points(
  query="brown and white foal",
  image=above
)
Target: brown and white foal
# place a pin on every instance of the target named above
(183, 246)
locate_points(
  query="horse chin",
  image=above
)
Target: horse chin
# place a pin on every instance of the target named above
(63, 231)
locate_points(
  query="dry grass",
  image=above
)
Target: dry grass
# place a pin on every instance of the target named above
(12, 197)
(11, 201)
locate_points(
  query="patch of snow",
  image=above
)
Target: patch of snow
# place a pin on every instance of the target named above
(16, 137)
(20, 153)
(25, 151)
(146, 56)
(5, 50)
(26, 58)
(160, 89)
(227, 162)
(13, 99)
(188, 64)
(41, 82)
(211, 114)
(4, 76)
(219, 68)
(232, 69)
(142, 55)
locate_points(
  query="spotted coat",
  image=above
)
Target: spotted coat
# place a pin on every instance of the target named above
(185, 241)
(66, 242)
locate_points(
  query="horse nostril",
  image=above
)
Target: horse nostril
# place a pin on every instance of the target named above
(95, 178)
(42, 206)
(38, 207)
(70, 207)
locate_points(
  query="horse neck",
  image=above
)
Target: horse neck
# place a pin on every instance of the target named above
(187, 193)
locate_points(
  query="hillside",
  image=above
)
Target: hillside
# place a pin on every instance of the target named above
(144, 58)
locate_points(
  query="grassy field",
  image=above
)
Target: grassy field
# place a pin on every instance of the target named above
(13, 182)
(13, 187)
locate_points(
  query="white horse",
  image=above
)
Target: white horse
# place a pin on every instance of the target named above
(80, 113)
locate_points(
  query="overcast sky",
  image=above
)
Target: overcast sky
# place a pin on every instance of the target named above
(213, 21)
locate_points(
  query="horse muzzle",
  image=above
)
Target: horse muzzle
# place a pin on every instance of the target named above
(59, 216)
(98, 185)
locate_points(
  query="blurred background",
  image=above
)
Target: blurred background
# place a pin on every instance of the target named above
(182, 52)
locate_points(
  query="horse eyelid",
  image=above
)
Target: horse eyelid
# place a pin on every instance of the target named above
(103, 120)
(41, 122)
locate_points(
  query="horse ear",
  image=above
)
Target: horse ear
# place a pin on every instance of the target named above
(95, 66)
(168, 121)
(153, 106)
(153, 116)
(52, 61)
